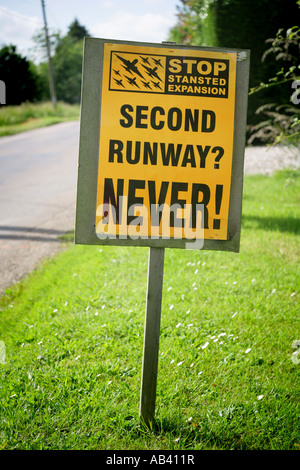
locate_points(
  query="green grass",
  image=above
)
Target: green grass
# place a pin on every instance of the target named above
(27, 116)
(73, 332)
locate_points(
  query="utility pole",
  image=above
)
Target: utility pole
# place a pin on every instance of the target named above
(51, 80)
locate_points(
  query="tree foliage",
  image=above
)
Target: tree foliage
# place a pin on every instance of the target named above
(19, 75)
(66, 62)
(281, 123)
(67, 65)
(77, 31)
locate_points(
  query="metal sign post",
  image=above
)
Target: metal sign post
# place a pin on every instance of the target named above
(151, 335)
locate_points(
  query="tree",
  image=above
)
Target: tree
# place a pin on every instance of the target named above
(19, 75)
(67, 68)
(66, 61)
(76, 31)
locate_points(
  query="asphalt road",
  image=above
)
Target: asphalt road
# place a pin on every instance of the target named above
(38, 177)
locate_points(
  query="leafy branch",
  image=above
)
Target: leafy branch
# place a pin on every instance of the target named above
(283, 121)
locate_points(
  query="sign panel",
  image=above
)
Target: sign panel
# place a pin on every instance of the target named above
(166, 145)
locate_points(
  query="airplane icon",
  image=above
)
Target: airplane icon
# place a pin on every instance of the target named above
(145, 60)
(130, 66)
(157, 61)
(132, 81)
(156, 84)
(151, 72)
(117, 72)
(146, 84)
(119, 82)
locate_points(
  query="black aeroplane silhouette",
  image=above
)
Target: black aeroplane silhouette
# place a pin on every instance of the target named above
(117, 72)
(146, 84)
(119, 82)
(157, 61)
(130, 65)
(151, 72)
(145, 60)
(132, 81)
(156, 84)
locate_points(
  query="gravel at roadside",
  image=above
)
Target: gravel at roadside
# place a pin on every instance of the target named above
(264, 160)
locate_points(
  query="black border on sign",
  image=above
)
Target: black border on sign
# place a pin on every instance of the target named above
(89, 141)
(162, 92)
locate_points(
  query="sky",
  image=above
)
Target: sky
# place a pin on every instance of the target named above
(133, 20)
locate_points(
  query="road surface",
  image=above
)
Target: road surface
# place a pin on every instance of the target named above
(38, 177)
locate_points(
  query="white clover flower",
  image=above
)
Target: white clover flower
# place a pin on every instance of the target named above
(295, 358)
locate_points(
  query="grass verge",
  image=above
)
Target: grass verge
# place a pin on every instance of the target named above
(28, 116)
(73, 338)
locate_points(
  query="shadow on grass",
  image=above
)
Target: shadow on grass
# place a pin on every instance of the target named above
(281, 224)
(199, 435)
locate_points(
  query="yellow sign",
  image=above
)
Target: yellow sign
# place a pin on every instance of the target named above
(166, 142)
